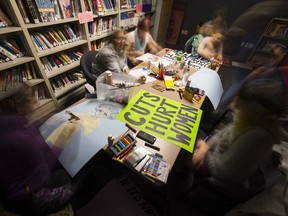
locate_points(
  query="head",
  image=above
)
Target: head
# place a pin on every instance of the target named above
(24, 100)
(217, 37)
(143, 26)
(261, 102)
(118, 39)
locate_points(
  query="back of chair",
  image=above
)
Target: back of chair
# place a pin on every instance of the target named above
(86, 63)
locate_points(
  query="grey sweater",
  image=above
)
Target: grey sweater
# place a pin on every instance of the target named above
(108, 59)
(241, 165)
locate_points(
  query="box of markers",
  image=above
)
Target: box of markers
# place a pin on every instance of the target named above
(122, 143)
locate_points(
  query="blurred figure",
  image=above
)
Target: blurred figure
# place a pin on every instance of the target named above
(112, 57)
(27, 164)
(217, 24)
(211, 47)
(238, 160)
(140, 41)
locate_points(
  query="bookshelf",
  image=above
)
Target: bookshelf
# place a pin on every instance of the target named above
(56, 84)
(272, 46)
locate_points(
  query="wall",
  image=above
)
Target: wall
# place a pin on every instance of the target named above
(203, 10)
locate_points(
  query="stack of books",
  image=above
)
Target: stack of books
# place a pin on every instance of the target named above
(11, 49)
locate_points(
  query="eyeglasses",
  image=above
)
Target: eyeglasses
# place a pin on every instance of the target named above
(120, 40)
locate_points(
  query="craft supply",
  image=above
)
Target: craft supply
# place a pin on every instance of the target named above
(109, 78)
(123, 143)
(152, 146)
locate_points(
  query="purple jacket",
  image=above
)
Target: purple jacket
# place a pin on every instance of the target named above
(26, 161)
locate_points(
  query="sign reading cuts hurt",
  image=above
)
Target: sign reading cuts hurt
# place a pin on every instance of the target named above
(164, 118)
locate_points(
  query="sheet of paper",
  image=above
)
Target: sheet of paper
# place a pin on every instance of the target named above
(142, 72)
(155, 60)
(79, 140)
(209, 81)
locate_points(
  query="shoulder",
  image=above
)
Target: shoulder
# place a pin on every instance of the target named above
(148, 36)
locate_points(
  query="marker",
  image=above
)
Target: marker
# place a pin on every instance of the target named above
(180, 95)
(131, 128)
(126, 151)
(152, 146)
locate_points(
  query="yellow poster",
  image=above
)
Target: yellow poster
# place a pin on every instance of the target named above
(164, 118)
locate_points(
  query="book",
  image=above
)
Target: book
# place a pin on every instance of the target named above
(32, 11)
(65, 8)
(5, 19)
(57, 13)
(7, 53)
(9, 43)
(46, 10)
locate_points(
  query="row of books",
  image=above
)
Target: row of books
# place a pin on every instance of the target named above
(277, 30)
(272, 47)
(4, 20)
(35, 11)
(98, 44)
(63, 80)
(19, 74)
(102, 25)
(52, 62)
(10, 49)
(100, 6)
(129, 19)
(125, 4)
(55, 37)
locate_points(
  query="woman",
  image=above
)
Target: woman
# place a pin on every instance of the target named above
(140, 40)
(112, 57)
(27, 163)
(211, 47)
(238, 160)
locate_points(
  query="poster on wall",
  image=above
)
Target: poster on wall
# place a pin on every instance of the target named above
(174, 27)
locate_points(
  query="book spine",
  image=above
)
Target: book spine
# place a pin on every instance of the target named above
(28, 71)
(20, 53)
(7, 53)
(32, 10)
(36, 43)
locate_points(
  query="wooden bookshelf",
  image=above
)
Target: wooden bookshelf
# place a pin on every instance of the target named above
(272, 46)
(23, 30)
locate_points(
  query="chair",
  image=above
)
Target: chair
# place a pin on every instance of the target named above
(86, 63)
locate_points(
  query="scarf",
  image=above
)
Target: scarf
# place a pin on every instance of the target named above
(138, 46)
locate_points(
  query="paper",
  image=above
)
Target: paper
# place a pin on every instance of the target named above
(80, 139)
(164, 118)
(155, 60)
(142, 72)
(85, 17)
(209, 81)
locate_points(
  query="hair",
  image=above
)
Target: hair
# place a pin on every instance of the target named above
(142, 25)
(114, 36)
(261, 102)
(22, 97)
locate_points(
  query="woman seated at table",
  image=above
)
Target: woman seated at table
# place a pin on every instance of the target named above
(111, 57)
(140, 41)
(238, 160)
(211, 47)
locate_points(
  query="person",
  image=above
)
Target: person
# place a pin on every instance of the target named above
(32, 181)
(111, 57)
(238, 160)
(140, 41)
(211, 47)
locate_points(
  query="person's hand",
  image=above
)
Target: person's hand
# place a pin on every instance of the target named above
(126, 70)
(200, 152)
(142, 79)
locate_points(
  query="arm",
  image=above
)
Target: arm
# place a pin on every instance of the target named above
(240, 161)
(203, 51)
(152, 46)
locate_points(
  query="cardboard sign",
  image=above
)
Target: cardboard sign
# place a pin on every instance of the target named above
(164, 118)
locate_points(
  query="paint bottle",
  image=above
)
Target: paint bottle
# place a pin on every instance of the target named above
(109, 78)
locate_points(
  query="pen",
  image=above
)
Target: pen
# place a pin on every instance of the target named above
(180, 95)
(152, 146)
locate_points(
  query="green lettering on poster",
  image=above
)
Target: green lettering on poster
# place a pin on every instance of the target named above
(164, 118)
